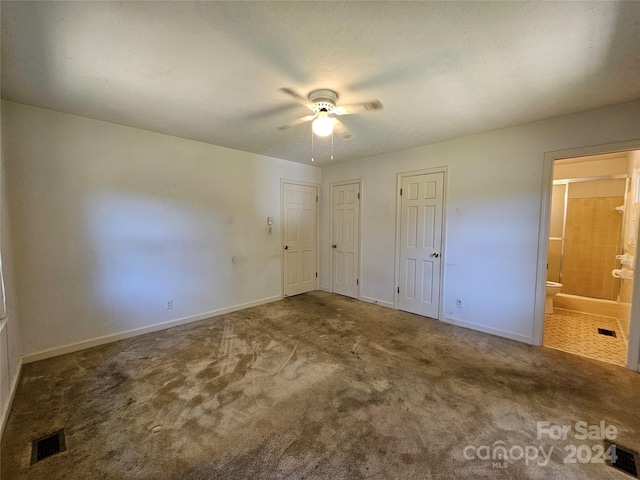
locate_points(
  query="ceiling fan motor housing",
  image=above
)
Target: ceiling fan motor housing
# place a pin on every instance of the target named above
(324, 100)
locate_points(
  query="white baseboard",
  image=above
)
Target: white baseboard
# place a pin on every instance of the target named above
(382, 303)
(114, 337)
(12, 394)
(493, 331)
(365, 299)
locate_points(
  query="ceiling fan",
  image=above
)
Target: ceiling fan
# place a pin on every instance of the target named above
(322, 103)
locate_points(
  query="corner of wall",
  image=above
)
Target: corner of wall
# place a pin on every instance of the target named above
(8, 395)
(10, 349)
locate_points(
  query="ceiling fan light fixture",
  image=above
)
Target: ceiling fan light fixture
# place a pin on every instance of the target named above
(323, 125)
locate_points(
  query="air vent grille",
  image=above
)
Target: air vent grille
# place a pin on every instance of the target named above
(608, 333)
(624, 460)
(47, 446)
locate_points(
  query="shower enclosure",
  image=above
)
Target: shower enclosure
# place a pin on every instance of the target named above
(587, 217)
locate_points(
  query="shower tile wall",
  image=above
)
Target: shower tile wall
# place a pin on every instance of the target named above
(592, 241)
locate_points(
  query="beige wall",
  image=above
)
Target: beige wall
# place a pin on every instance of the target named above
(492, 214)
(583, 167)
(112, 222)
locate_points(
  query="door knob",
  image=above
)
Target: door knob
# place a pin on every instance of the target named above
(286, 247)
(435, 255)
(334, 246)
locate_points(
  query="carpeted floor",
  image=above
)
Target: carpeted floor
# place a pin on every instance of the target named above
(318, 387)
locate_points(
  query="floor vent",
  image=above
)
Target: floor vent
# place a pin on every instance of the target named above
(47, 446)
(608, 333)
(624, 460)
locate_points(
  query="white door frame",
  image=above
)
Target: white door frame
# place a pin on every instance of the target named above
(358, 260)
(543, 245)
(306, 184)
(400, 176)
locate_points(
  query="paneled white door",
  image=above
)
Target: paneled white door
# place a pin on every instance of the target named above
(346, 238)
(299, 236)
(420, 243)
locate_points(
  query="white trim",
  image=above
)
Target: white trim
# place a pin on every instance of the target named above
(543, 247)
(298, 182)
(444, 169)
(375, 301)
(357, 181)
(633, 354)
(12, 394)
(114, 337)
(493, 331)
(284, 181)
(325, 289)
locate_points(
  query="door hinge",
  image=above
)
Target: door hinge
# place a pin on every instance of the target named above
(316, 198)
(357, 281)
(358, 196)
(316, 274)
(398, 289)
(400, 192)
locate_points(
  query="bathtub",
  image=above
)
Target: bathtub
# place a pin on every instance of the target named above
(595, 306)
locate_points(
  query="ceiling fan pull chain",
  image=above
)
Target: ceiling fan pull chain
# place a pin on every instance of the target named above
(312, 145)
(331, 144)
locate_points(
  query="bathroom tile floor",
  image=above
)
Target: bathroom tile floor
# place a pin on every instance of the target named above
(577, 333)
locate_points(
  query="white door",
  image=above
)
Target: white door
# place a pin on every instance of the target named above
(420, 243)
(346, 238)
(299, 235)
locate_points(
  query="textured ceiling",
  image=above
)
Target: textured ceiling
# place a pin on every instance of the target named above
(211, 71)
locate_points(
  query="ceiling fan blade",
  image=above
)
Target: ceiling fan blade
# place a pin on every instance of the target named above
(357, 108)
(298, 121)
(341, 129)
(299, 98)
(292, 93)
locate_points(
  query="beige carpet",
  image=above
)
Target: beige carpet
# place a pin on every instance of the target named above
(317, 387)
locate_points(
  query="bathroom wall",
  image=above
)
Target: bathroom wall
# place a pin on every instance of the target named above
(591, 166)
(556, 227)
(632, 218)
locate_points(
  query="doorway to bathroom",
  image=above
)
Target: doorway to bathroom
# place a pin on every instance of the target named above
(593, 225)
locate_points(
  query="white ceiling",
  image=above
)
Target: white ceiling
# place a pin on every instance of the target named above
(211, 71)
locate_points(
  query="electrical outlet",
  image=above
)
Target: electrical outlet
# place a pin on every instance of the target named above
(459, 303)
(169, 304)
